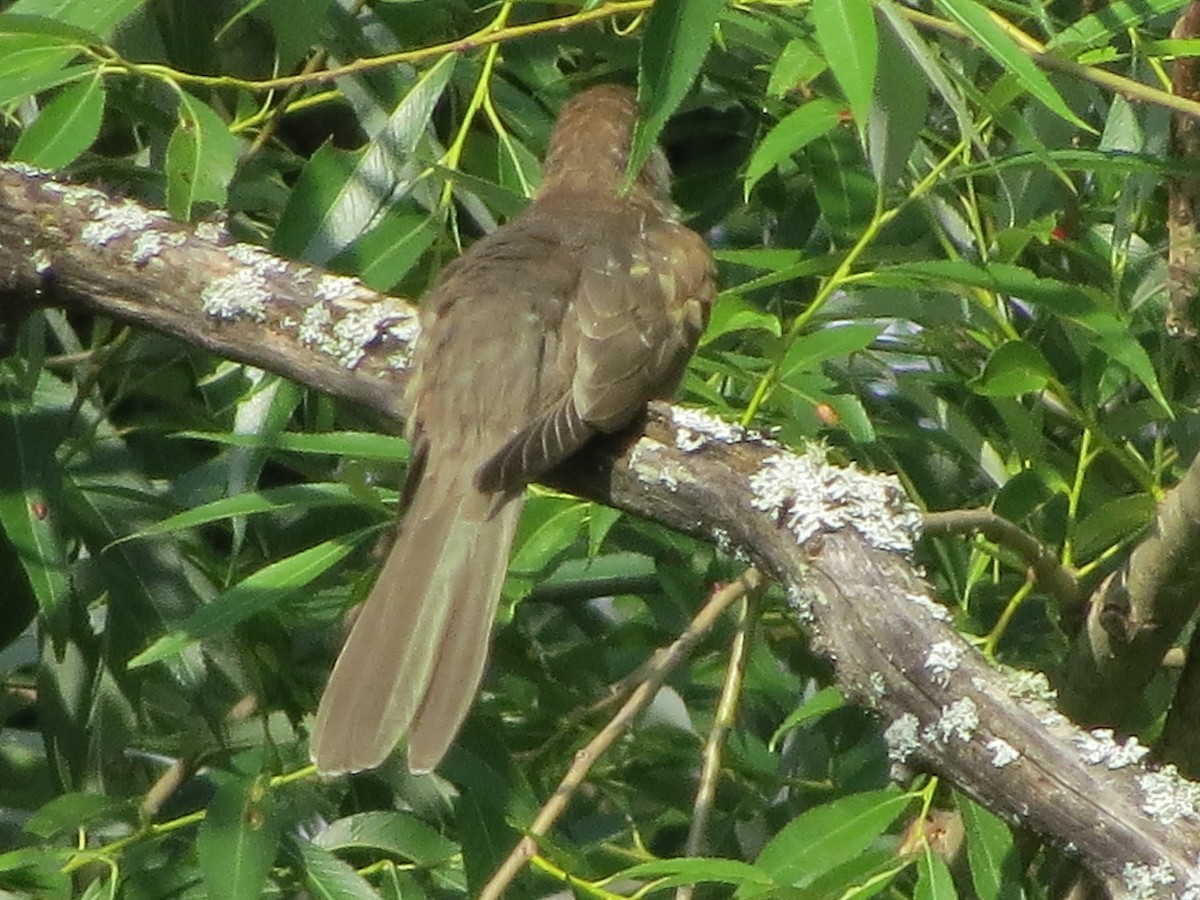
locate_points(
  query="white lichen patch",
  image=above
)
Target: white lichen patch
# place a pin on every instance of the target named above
(1168, 797)
(339, 287)
(943, 658)
(1143, 881)
(22, 168)
(878, 685)
(258, 258)
(903, 738)
(212, 232)
(76, 195)
(1023, 684)
(346, 334)
(958, 720)
(316, 327)
(1099, 746)
(111, 221)
(810, 496)
(1191, 890)
(694, 428)
(150, 244)
(243, 294)
(930, 606)
(652, 464)
(41, 261)
(1003, 753)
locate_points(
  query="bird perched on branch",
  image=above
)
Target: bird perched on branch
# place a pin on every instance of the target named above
(557, 327)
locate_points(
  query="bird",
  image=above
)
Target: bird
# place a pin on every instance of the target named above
(555, 328)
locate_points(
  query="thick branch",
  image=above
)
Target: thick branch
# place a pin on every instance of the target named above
(1137, 612)
(866, 608)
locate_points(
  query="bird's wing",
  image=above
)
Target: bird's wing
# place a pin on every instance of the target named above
(632, 322)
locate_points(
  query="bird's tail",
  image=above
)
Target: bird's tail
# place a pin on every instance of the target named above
(415, 656)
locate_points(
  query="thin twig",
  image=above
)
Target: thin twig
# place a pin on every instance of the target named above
(663, 663)
(723, 722)
(1053, 577)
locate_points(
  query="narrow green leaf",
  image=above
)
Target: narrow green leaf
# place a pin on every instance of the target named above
(1112, 523)
(930, 65)
(39, 73)
(934, 881)
(381, 176)
(675, 41)
(995, 867)
(99, 18)
(256, 593)
(898, 107)
(846, 32)
(201, 159)
(359, 444)
(238, 840)
(699, 870)
(327, 877)
(794, 131)
(271, 500)
(51, 30)
(809, 350)
(845, 192)
(1102, 27)
(398, 833)
(797, 65)
(977, 20)
(733, 313)
(30, 488)
(822, 702)
(825, 837)
(1013, 369)
(65, 128)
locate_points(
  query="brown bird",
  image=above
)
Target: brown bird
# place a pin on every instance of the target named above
(558, 326)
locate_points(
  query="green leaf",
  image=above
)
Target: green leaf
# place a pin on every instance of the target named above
(732, 313)
(257, 593)
(898, 107)
(845, 193)
(238, 840)
(65, 128)
(1013, 369)
(30, 488)
(95, 18)
(675, 40)
(824, 701)
(930, 65)
(549, 526)
(399, 833)
(793, 132)
(387, 252)
(845, 29)
(67, 812)
(995, 865)
(359, 444)
(52, 31)
(1112, 523)
(797, 65)
(826, 836)
(327, 877)
(934, 881)
(1101, 27)
(338, 212)
(810, 350)
(201, 159)
(271, 500)
(698, 870)
(977, 20)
